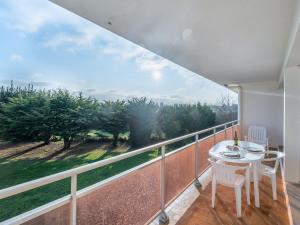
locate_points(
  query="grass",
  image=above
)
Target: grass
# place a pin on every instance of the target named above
(27, 162)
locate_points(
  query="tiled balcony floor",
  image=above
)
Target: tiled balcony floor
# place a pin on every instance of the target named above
(270, 213)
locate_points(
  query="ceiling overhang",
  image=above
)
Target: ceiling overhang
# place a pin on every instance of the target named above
(232, 41)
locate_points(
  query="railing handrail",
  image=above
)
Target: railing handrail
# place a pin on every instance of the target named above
(13, 190)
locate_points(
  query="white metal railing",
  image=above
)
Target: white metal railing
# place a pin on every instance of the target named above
(73, 173)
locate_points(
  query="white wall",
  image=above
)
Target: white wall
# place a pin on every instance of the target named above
(292, 123)
(262, 104)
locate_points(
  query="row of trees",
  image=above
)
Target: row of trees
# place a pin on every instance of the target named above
(36, 115)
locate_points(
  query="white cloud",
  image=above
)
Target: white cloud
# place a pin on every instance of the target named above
(37, 75)
(82, 38)
(119, 94)
(144, 59)
(14, 57)
(31, 15)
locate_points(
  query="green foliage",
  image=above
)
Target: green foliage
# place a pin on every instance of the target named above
(113, 118)
(142, 117)
(9, 92)
(179, 119)
(27, 114)
(71, 116)
(26, 118)
(38, 115)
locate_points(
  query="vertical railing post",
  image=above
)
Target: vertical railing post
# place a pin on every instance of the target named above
(163, 218)
(73, 199)
(225, 131)
(197, 183)
(232, 131)
(214, 136)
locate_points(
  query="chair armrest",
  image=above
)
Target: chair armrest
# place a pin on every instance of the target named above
(273, 158)
(269, 159)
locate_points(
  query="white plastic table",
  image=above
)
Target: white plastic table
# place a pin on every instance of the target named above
(247, 157)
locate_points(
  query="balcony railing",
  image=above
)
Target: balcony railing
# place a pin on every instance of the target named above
(135, 196)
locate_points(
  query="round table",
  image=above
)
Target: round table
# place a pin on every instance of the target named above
(247, 157)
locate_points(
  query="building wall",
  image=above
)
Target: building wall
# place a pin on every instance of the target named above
(262, 104)
(292, 123)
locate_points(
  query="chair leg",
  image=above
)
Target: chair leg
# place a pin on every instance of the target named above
(213, 193)
(238, 201)
(274, 187)
(281, 164)
(248, 186)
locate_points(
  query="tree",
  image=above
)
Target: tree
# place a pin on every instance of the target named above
(142, 117)
(226, 110)
(71, 116)
(113, 118)
(179, 119)
(26, 118)
(168, 122)
(11, 91)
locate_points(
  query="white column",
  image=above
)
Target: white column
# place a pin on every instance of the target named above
(292, 123)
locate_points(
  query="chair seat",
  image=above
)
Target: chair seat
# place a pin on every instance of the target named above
(238, 181)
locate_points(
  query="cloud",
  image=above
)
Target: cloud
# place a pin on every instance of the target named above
(80, 38)
(144, 59)
(16, 57)
(37, 76)
(36, 84)
(124, 95)
(41, 84)
(90, 91)
(15, 82)
(31, 15)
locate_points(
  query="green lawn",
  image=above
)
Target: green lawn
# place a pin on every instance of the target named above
(25, 165)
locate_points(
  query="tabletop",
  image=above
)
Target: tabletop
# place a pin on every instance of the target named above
(246, 156)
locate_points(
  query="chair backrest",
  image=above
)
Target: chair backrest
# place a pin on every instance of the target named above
(258, 134)
(224, 174)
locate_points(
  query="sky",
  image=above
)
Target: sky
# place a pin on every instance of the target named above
(50, 47)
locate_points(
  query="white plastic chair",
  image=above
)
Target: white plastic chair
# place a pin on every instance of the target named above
(258, 135)
(269, 171)
(226, 175)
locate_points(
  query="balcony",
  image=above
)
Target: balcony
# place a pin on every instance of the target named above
(156, 189)
(194, 207)
(251, 47)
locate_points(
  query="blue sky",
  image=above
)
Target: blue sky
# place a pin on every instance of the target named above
(51, 47)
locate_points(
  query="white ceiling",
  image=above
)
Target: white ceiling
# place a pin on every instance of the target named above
(228, 41)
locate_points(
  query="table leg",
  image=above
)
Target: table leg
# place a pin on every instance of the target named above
(256, 183)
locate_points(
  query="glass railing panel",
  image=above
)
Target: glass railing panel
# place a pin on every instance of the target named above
(59, 216)
(220, 137)
(29, 200)
(132, 199)
(180, 171)
(203, 153)
(229, 134)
